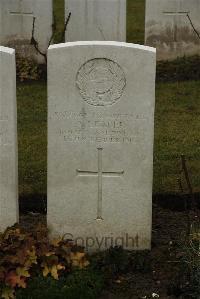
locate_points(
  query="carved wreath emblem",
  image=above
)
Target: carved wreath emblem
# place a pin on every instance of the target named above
(101, 82)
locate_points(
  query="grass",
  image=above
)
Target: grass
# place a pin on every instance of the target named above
(135, 21)
(176, 132)
(58, 18)
(32, 139)
(82, 284)
(176, 122)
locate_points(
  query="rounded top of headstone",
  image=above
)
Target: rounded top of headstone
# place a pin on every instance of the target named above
(7, 50)
(102, 43)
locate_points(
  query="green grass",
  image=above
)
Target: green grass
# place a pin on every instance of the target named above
(58, 18)
(32, 138)
(80, 284)
(176, 122)
(176, 132)
(135, 21)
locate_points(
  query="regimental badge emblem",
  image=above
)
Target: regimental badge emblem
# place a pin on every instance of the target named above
(101, 82)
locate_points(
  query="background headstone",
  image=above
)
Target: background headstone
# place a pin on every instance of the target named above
(96, 20)
(168, 27)
(100, 142)
(16, 25)
(8, 140)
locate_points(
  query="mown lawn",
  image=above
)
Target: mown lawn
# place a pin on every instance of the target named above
(176, 123)
(32, 138)
(135, 21)
(58, 18)
(176, 132)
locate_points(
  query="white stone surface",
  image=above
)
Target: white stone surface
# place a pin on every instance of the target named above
(8, 140)
(168, 27)
(16, 24)
(96, 20)
(100, 142)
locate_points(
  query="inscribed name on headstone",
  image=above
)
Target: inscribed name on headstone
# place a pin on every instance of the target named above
(170, 27)
(100, 143)
(17, 24)
(96, 20)
(8, 140)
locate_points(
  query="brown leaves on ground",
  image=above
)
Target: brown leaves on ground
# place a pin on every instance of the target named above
(24, 254)
(15, 280)
(78, 259)
(8, 293)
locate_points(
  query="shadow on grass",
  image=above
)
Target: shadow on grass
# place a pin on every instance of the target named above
(37, 203)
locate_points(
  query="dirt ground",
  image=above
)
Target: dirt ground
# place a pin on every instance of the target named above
(168, 233)
(169, 227)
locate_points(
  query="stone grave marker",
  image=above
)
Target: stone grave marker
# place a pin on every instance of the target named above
(170, 27)
(96, 20)
(16, 25)
(100, 143)
(8, 140)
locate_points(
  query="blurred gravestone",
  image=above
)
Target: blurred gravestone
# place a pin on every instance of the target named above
(169, 27)
(96, 20)
(8, 140)
(100, 143)
(16, 25)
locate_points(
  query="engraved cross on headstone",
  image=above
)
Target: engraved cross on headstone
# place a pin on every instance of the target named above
(18, 13)
(176, 14)
(21, 13)
(100, 174)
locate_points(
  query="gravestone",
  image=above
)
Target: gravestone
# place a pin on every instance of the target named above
(169, 27)
(100, 143)
(16, 26)
(96, 20)
(8, 140)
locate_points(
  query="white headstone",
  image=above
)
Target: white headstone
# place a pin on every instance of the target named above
(169, 27)
(100, 143)
(16, 25)
(96, 20)
(8, 140)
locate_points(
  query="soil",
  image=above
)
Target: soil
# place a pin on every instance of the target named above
(169, 229)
